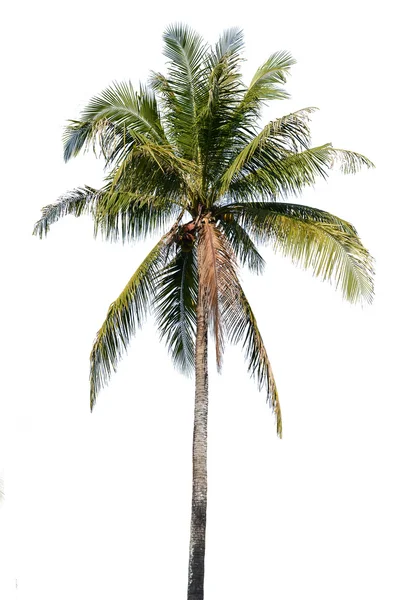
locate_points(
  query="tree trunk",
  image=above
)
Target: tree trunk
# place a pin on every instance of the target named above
(199, 486)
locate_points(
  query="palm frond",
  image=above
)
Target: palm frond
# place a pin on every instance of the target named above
(281, 178)
(77, 202)
(175, 308)
(314, 239)
(290, 175)
(76, 136)
(267, 81)
(350, 162)
(240, 128)
(224, 91)
(241, 243)
(230, 45)
(150, 168)
(125, 315)
(236, 108)
(240, 324)
(121, 104)
(108, 118)
(259, 365)
(170, 112)
(127, 217)
(254, 215)
(185, 51)
(117, 215)
(273, 71)
(280, 138)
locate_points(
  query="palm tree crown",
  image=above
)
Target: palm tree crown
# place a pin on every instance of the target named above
(186, 156)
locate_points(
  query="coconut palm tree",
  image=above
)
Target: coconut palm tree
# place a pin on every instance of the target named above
(186, 156)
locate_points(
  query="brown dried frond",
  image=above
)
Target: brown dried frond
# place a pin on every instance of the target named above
(217, 273)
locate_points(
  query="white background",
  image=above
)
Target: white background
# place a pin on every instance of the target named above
(97, 505)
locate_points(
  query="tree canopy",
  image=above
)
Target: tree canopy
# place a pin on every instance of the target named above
(187, 156)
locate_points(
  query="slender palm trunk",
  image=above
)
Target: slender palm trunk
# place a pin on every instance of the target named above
(199, 486)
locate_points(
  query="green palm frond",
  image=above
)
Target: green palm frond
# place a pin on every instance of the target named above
(285, 177)
(126, 217)
(278, 139)
(175, 308)
(241, 243)
(117, 216)
(267, 81)
(109, 117)
(259, 365)
(274, 71)
(229, 46)
(254, 216)
(125, 315)
(77, 202)
(291, 174)
(170, 111)
(150, 168)
(241, 324)
(239, 107)
(185, 51)
(350, 162)
(314, 239)
(76, 136)
(163, 156)
(123, 106)
(218, 125)
(301, 169)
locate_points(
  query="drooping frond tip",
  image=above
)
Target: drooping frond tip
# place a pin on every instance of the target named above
(258, 362)
(349, 162)
(230, 43)
(77, 202)
(273, 71)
